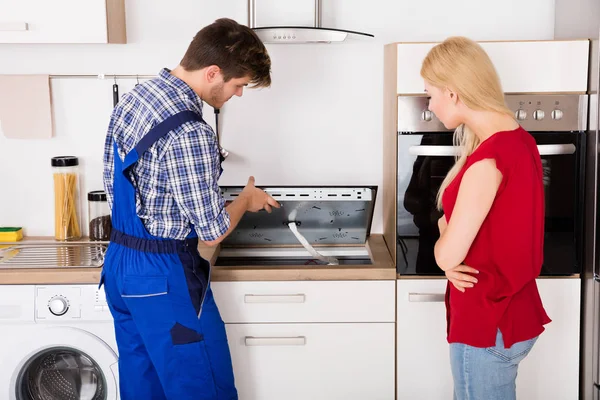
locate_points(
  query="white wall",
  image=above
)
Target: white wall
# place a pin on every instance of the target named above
(319, 123)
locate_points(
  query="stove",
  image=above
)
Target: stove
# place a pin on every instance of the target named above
(335, 220)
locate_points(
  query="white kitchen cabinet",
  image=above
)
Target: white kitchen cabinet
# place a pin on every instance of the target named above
(65, 21)
(565, 65)
(319, 340)
(551, 371)
(313, 361)
(423, 361)
(306, 301)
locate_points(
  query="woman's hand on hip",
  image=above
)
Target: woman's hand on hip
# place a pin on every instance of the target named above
(460, 277)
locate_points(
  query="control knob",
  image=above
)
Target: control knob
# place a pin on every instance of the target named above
(538, 115)
(58, 305)
(521, 115)
(427, 115)
(557, 114)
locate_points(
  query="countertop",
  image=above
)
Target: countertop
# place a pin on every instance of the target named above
(381, 269)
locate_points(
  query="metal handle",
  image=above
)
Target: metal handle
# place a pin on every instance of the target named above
(252, 14)
(544, 149)
(426, 297)
(14, 26)
(274, 298)
(275, 341)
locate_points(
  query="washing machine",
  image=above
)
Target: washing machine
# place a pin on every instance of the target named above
(57, 343)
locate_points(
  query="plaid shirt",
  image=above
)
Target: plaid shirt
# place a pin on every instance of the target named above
(176, 179)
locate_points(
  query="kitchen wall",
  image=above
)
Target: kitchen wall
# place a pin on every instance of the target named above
(320, 123)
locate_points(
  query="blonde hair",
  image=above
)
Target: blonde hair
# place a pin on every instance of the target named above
(460, 64)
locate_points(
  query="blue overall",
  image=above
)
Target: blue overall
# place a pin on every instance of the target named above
(171, 338)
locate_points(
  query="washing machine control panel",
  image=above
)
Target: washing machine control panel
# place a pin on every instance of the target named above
(70, 302)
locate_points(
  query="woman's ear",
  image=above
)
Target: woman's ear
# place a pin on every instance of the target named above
(452, 95)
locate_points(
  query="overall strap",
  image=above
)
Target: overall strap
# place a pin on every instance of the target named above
(156, 133)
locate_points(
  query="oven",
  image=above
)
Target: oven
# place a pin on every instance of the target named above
(426, 153)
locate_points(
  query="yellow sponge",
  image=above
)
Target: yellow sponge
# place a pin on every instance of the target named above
(10, 234)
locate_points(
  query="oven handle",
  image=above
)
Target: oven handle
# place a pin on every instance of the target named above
(451, 151)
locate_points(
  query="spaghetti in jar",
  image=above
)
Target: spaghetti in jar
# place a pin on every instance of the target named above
(65, 170)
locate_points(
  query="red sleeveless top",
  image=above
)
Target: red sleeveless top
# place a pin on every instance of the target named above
(507, 251)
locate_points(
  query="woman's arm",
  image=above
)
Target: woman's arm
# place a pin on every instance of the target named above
(476, 195)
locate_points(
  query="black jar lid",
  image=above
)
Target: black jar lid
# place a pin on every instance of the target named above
(97, 195)
(65, 161)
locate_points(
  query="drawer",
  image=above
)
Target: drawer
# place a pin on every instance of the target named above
(313, 361)
(306, 301)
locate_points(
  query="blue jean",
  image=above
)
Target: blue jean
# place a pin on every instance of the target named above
(487, 373)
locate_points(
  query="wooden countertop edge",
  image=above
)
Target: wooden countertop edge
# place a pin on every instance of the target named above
(409, 277)
(381, 269)
(50, 276)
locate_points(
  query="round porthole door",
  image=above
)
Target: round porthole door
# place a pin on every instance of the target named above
(69, 364)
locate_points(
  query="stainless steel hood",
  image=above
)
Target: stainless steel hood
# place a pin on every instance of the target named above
(301, 34)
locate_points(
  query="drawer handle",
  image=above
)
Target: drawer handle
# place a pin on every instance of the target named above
(426, 297)
(275, 341)
(274, 298)
(13, 26)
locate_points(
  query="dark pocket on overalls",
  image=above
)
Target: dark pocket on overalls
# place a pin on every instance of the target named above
(195, 276)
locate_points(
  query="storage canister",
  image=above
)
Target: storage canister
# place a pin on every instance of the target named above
(67, 223)
(99, 216)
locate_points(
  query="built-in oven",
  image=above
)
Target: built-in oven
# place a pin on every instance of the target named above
(426, 153)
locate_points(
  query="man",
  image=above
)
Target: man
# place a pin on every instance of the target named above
(161, 167)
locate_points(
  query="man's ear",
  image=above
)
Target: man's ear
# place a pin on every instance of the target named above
(212, 73)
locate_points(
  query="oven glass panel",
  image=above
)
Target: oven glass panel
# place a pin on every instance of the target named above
(421, 171)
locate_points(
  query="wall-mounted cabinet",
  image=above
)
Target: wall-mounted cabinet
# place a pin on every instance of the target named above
(543, 66)
(65, 21)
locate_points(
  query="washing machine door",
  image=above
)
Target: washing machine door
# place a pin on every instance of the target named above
(63, 364)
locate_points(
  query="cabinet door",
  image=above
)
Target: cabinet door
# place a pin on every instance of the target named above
(305, 301)
(423, 360)
(313, 361)
(551, 370)
(565, 69)
(64, 21)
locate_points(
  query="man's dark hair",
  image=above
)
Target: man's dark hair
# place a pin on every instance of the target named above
(234, 48)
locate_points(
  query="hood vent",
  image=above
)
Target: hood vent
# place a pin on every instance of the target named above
(301, 34)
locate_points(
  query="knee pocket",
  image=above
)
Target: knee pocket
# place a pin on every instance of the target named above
(183, 335)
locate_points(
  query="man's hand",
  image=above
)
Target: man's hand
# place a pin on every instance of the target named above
(256, 199)
(460, 278)
(442, 224)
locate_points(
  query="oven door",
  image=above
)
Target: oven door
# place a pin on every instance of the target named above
(425, 159)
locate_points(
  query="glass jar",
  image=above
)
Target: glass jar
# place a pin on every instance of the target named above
(67, 223)
(99, 216)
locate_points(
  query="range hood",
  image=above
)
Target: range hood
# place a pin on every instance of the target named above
(301, 34)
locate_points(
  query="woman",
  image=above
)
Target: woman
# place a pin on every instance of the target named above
(492, 231)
